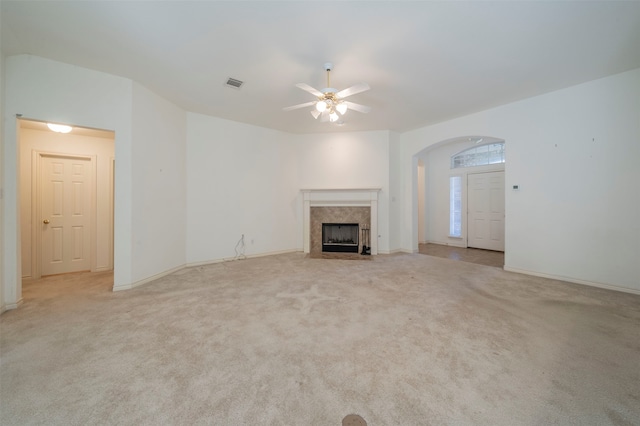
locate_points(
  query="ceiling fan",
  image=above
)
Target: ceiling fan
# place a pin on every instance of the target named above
(330, 104)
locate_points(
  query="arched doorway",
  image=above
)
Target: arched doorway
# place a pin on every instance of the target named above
(460, 204)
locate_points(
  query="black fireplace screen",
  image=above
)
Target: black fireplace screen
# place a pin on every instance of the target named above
(340, 237)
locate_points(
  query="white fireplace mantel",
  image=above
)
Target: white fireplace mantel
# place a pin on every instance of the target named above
(347, 197)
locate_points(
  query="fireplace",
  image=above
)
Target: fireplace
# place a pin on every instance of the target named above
(337, 230)
(340, 206)
(340, 237)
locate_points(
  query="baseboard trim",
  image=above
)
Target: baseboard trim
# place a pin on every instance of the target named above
(249, 256)
(188, 265)
(394, 251)
(11, 306)
(147, 280)
(572, 280)
(409, 251)
(273, 253)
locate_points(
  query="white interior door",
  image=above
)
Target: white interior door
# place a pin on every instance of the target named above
(65, 213)
(485, 214)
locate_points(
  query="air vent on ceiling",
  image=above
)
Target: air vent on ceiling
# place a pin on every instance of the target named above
(232, 82)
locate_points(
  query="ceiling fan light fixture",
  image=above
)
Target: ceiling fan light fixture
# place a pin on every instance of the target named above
(329, 104)
(321, 106)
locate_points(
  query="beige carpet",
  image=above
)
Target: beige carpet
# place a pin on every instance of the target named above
(289, 340)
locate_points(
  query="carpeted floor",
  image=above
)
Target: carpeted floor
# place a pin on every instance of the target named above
(290, 340)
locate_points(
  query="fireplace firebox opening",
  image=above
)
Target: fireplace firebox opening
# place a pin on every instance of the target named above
(340, 237)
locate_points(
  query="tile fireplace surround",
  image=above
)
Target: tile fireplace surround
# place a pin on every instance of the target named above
(337, 198)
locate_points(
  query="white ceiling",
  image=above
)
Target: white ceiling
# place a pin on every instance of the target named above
(425, 61)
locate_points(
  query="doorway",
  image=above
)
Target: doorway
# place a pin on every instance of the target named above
(66, 199)
(461, 193)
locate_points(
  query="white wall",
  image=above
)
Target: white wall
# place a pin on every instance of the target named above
(348, 160)
(50, 142)
(2, 190)
(150, 162)
(247, 180)
(241, 179)
(574, 153)
(395, 192)
(188, 186)
(422, 195)
(47, 90)
(158, 186)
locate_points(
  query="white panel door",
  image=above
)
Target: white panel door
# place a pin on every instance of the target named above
(485, 217)
(65, 210)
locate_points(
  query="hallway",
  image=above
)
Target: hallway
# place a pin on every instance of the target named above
(471, 255)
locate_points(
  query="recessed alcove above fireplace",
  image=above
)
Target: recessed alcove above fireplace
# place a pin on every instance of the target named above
(339, 206)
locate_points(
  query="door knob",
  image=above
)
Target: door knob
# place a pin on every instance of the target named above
(46, 221)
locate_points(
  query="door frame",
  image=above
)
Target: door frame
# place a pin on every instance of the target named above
(468, 209)
(36, 209)
(463, 173)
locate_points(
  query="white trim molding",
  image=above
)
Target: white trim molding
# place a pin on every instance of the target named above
(147, 280)
(190, 265)
(233, 259)
(572, 280)
(346, 197)
(11, 306)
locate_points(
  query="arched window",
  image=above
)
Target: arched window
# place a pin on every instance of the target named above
(491, 153)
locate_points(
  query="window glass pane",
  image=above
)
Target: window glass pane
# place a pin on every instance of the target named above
(496, 153)
(455, 206)
(479, 156)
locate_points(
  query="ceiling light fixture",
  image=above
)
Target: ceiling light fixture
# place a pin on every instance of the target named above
(330, 102)
(59, 128)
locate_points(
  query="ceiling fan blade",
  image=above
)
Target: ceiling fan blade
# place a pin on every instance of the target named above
(357, 107)
(307, 88)
(360, 87)
(306, 104)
